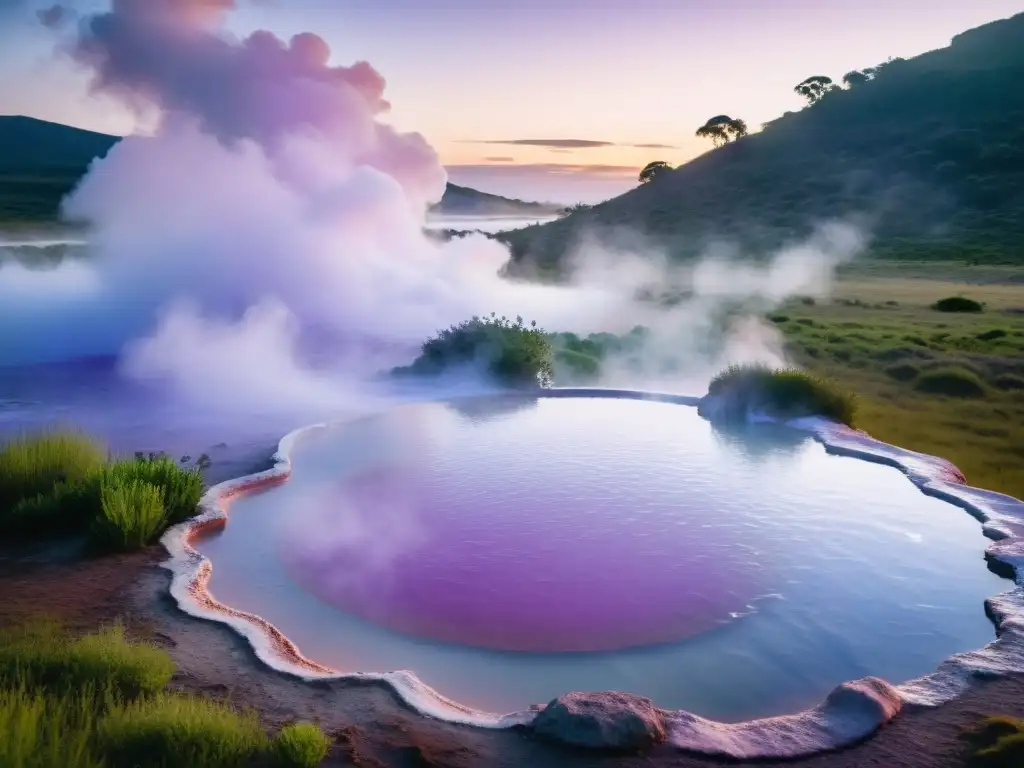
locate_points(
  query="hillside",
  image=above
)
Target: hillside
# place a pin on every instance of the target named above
(930, 154)
(40, 162)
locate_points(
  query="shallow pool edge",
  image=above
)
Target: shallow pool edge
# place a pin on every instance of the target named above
(851, 712)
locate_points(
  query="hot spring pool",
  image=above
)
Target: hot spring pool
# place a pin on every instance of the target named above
(511, 549)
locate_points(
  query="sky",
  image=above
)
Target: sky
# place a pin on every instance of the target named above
(560, 100)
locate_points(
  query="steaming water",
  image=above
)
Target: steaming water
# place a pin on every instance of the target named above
(511, 550)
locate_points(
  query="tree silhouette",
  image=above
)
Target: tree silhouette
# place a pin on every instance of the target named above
(722, 129)
(814, 87)
(858, 77)
(651, 171)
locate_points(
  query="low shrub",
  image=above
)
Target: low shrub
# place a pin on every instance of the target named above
(1009, 382)
(167, 731)
(951, 381)
(779, 319)
(958, 304)
(40, 731)
(302, 745)
(997, 742)
(991, 335)
(786, 393)
(132, 515)
(513, 353)
(902, 372)
(182, 488)
(42, 656)
(32, 465)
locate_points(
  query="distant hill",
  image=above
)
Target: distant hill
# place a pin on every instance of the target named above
(930, 155)
(40, 163)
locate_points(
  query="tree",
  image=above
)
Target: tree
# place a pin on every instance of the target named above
(722, 129)
(651, 171)
(815, 87)
(858, 77)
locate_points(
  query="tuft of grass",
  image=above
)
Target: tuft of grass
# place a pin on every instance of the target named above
(958, 304)
(132, 514)
(42, 656)
(997, 742)
(902, 372)
(182, 487)
(1009, 382)
(787, 393)
(40, 731)
(33, 466)
(167, 731)
(301, 745)
(992, 334)
(951, 381)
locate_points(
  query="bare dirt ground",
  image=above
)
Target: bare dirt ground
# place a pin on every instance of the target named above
(371, 727)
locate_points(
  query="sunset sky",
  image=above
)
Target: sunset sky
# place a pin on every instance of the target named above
(552, 99)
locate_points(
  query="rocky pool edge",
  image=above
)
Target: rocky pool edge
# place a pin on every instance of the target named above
(850, 713)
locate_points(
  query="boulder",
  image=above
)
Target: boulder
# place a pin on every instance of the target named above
(609, 720)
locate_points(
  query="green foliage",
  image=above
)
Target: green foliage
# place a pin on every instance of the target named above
(997, 742)
(132, 514)
(42, 656)
(1009, 381)
(786, 393)
(992, 334)
(182, 487)
(958, 304)
(168, 731)
(512, 352)
(302, 745)
(903, 371)
(59, 483)
(31, 466)
(40, 731)
(951, 381)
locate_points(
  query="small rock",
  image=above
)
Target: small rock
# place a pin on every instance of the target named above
(609, 720)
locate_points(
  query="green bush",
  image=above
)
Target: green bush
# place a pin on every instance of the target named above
(302, 745)
(33, 465)
(511, 352)
(1009, 381)
(570, 364)
(991, 335)
(902, 372)
(168, 731)
(132, 515)
(957, 304)
(952, 381)
(40, 731)
(42, 656)
(998, 742)
(182, 488)
(785, 393)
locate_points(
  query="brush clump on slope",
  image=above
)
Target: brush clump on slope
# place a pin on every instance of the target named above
(785, 393)
(510, 352)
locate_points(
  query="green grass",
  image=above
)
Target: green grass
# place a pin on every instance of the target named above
(132, 516)
(168, 731)
(787, 393)
(302, 745)
(42, 656)
(33, 465)
(997, 742)
(60, 482)
(99, 701)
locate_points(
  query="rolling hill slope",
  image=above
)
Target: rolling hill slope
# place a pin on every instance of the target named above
(929, 155)
(40, 162)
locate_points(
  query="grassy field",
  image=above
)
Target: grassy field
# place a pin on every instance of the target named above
(950, 384)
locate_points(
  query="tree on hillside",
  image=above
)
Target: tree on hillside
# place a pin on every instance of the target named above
(722, 129)
(651, 171)
(814, 87)
(858, 77)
